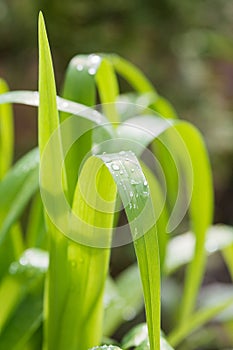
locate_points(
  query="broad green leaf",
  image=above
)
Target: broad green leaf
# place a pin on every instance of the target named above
(192, 162)
(22, 297)
(6, 133)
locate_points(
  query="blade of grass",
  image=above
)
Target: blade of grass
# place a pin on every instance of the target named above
(13, 200)
(79, 86)
(108, 89)
(36, 235)
(82, 308)
(6, 133)
(20, 201)
(141, 84)
(198, 319)
(133, 190)
(31, 98)
(22, 292)
(144, 130)
(160, 212)
(48, 122)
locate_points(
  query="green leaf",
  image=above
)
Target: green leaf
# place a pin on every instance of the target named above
(141, 84)
(22, 295)
(31, 98)
(192, 162)
(197, 320)
(16, 189)
(18, 197)
(6, 133)
(36, 235)
(48, 114)
(160, 212)
(79, 84)
(134, 193)
(81, 307)
(132, 74)
(108, 89)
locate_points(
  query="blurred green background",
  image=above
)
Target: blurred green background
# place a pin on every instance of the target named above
(185, 47)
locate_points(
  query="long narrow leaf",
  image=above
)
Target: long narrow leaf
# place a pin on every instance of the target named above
(6, 133)
(134, 193)
(193, 158)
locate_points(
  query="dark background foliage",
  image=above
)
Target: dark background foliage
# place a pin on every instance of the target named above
(185, 47)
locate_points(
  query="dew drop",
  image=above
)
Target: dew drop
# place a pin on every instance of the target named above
(145, 193)
(131, 194)
(115, 167)
(94, 59)
(23, 261)
(132, 170)
(79, 67)
(145, 183)
(92, 71)
(134, 182)
(65, 104)
(121, 172)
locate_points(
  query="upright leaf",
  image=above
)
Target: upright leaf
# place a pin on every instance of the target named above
(6, 133)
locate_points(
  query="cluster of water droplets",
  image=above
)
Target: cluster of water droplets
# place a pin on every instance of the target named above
(132, 185)
(89, 63)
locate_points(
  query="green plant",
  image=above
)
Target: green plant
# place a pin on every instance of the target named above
(87, 161)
